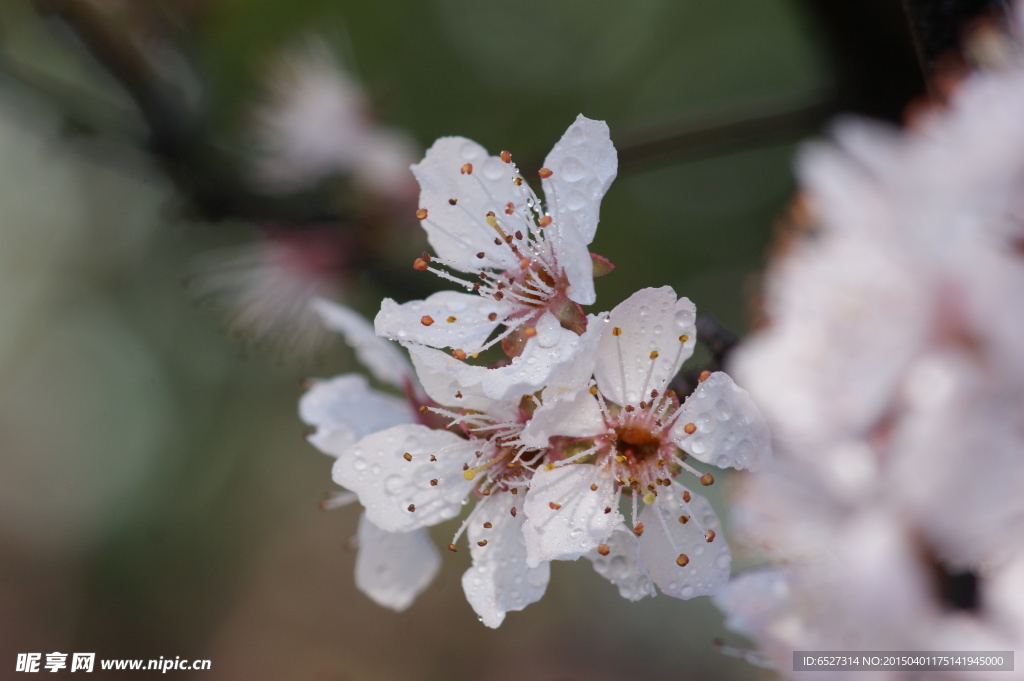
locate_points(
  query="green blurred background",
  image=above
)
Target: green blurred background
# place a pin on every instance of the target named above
(157, 497)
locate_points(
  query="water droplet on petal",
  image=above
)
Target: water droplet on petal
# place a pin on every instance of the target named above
(687, 592)
(571, 169)
(359, 464)
(394, 484)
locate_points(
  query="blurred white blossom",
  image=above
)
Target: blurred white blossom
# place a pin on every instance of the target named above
(891, 373)
(317, 122)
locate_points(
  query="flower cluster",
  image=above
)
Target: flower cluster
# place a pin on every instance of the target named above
(571, 446)
(892, 376)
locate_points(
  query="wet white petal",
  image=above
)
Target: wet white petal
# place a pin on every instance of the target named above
(574, 257)
(433, 368)
(730, 432)
(565, 518)
(576, 375)
(583, 164)
(345, 409)
(499, 580)
(382, 357)
(393, 568)
(651, 320)
(388, 484)
(459, 231)
(576, 417)
(665, 538)
(622, 565)
(526, 374)
(446, 319)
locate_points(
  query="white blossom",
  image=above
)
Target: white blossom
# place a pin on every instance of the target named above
(526, 267)
(416, 475)
(392, 568)
(890, 371)
(317, 122)
(628, 434)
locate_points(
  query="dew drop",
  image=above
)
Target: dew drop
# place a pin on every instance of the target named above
(687, 592)
(375, 469)
(575, 201)
(576, 532)
(394, 484)
(494, 169)
(571, 169)
(698, 445)
(359, 464)
(722, 561)
(723, 410)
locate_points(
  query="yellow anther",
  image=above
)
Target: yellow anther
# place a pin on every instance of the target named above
(616, 331)
(654, 354)
(650, 497)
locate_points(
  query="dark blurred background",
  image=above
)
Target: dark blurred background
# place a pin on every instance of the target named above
(157, 497)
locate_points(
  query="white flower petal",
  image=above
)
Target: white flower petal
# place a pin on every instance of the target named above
(651, 320)
(393, 568)
(574, 257)
(576, 375)
(753, 599)
(576, 417)
(383, 358)
(345, 409)
(622, 565)
(730, 431)
(665, 538)
(565, 518)
(433, 368)
(499, 580)
(526, 374)
(427, 321)
(459, 231)
(583, 164)
(388, 484)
